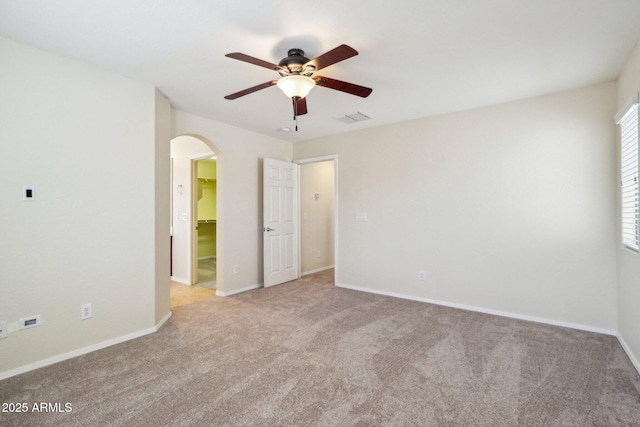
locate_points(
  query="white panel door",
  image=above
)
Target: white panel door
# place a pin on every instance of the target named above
(280, 221)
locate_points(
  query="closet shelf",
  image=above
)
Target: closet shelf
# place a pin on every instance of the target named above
(207, 179)
(206, 221)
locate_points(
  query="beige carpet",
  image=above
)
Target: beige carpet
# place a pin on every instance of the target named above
(308, 354)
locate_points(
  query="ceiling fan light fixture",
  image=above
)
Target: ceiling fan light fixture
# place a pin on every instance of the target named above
(296, 86)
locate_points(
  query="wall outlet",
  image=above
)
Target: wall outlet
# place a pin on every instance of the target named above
(4, 329)
(236, 269)
(30, 322)
(422, 275)
(86, 311)
(318, 254)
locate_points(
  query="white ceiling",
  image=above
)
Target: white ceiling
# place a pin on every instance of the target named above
(421, 57)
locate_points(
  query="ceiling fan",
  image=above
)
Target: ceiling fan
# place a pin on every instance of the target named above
(297, 76)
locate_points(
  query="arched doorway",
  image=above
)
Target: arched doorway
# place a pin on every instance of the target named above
(196, 212)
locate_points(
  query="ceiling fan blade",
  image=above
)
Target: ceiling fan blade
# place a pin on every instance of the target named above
(251, 90)
(300, 106)
(338, 54)
(251, 60)
(351, 88)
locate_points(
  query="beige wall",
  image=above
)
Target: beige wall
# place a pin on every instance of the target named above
(316, 216)
(162, 208)
(239, 186)
(508, 208)
(629, 261)
(87, 139)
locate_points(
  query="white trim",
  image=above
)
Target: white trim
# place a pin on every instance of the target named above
(630, 354)
(633, 99)
(336, 208)
(298, 210)
(483, 310)
(317, 270)
(317, 159)
(180, 280)
(203, 155)
(162, 321)
(628, 197)
(83, 350)
(222, 293)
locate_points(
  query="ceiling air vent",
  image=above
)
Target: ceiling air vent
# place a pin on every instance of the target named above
(356, 116)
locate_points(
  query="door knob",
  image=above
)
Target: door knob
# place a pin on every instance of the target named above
(269, 229)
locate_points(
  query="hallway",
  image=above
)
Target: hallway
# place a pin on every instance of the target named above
(184, 294)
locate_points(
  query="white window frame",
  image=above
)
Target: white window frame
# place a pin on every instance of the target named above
(628, 119)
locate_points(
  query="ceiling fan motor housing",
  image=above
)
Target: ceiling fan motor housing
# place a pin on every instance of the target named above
(295, 63)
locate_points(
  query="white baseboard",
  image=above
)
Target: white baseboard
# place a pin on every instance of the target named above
(83, 350)
(180, 280)
(162, 321)
(317, 270)
(483, 310)
(221, 293)
(627, 349)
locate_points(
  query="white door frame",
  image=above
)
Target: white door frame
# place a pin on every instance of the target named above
(336, 223)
